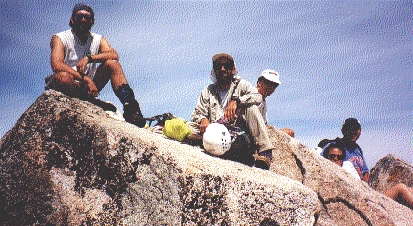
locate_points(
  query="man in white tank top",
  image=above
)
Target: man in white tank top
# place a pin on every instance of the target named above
(74, 58)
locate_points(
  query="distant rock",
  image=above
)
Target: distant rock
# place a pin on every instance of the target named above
(390, 170)
(65, 162)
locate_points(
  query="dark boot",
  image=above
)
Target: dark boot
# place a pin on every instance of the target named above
(132, 114)
(194, 139)
(131, 110)
(263, 159)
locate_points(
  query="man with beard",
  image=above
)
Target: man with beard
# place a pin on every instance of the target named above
(74, 57)
(232, 100)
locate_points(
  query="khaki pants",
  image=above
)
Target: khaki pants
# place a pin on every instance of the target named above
(250, 119)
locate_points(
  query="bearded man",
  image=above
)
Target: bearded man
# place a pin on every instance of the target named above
(231, 99)
(75, 54)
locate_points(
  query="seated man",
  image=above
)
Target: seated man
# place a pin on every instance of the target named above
(231, 99)
(351, 130)
(74, 57)
(268, 81)
(336, 154)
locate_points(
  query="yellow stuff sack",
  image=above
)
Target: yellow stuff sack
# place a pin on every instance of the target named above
(176, 129)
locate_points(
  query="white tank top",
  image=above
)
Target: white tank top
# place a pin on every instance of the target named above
(75, 50)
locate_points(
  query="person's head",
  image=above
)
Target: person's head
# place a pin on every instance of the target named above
(335, 153)
(351, 129)
(268, 82)
(224, 68)
(82, 18)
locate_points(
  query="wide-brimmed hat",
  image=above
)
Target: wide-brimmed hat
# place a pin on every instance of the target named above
(222, 57)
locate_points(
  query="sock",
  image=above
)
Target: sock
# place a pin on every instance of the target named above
(125, 94)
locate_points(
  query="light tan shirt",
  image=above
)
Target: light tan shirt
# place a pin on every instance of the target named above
(210, 104)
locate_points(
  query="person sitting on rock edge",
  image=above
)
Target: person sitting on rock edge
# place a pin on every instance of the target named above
(398, 190)
(74, 57)
(268, 81)
(233, 100)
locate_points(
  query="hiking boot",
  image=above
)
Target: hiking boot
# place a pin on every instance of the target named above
(132, 114)
(194, 139)
(263, 159)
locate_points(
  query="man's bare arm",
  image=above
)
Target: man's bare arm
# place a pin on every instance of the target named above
(106, 52)
(57, 57)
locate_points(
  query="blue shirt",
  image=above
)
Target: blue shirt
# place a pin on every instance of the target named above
(355, 156)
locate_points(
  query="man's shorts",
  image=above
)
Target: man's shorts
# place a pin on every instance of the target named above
(49, 82)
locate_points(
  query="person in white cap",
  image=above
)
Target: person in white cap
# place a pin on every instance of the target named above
(266, 85)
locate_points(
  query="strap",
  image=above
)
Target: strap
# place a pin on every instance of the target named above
(153, 118)
(160, 118)
(234, 88)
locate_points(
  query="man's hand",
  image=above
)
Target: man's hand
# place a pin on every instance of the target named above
(81, 66)
(92, 89)
(229, 113)
(204, 124)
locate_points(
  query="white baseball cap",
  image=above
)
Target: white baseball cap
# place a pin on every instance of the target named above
(271, 75)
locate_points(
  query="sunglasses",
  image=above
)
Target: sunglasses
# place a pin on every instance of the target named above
(86, 16)
(227, 66)
(333, 156)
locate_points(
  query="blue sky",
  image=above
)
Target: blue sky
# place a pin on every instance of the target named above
(336, 59)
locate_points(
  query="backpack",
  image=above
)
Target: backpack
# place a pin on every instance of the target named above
(176, 129)
(323, 143)
(170, 126)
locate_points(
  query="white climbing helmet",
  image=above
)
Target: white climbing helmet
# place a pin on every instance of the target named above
(216, 139)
